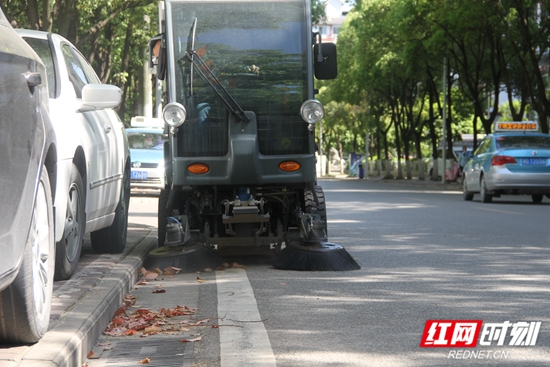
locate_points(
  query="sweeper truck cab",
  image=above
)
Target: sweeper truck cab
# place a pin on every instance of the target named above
(240, 111)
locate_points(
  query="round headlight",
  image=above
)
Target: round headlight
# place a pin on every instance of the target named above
(312, 111)
(174, 114)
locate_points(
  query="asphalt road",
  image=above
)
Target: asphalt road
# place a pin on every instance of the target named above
(425, 254)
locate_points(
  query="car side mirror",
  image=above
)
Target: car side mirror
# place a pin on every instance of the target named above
(325, 61)
(157, 57)
(100, 96)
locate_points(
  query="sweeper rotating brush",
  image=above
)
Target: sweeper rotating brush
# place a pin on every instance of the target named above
(323, 256)
(189, 258)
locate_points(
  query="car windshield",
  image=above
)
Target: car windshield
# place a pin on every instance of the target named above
(522, 142)
(257, 51)
(144, 140)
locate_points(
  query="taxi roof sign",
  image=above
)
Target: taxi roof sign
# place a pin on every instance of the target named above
(514, 126)
(142, 121)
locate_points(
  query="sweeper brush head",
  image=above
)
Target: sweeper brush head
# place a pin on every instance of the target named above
(189, 259)
(324, 256)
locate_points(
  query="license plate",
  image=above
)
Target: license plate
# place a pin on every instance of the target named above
(533, 161)
(138, 175)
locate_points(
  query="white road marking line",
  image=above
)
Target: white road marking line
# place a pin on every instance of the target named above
(244, 342)
(500, 211)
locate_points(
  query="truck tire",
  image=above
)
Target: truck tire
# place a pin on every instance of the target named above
(112, 239)
(163, 213)
(321, 206)
(315, 204)
(68, 249)
(25, 305)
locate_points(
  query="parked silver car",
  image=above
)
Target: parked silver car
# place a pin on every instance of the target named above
(27, 178)
(515, 160)
(93, 173)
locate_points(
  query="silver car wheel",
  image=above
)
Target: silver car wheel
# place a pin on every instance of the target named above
(42, 258)
(485, 197)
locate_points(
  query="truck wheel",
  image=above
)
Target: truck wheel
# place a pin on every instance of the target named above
(465, 193)
(537, 199)
(113, 239)
(69, 248)
(315, 204)
(25, 305)
(321, 207)
(163, 213)
(485, 197)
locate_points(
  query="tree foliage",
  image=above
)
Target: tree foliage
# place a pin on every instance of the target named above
(391, 64)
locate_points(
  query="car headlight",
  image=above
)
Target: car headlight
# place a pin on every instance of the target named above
(312, 111)
(174, 114)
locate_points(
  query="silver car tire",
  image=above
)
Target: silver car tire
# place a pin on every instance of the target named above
(485, 197)
(69, 248)
(465, 193)
(25, 305)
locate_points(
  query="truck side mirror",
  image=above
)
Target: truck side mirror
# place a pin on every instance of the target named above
(326, 66)
(157, 56)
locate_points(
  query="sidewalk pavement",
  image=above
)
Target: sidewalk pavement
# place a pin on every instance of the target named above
(83, 306)
(415, 181)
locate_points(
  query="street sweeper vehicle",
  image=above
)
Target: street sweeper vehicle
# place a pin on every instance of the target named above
(239, 107)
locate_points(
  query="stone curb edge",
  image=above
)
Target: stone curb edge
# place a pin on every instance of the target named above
(69, 342)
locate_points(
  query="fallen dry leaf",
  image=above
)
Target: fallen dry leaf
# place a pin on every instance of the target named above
(144, 361)
(171, 270)
(237, 265)
(129, 300)
(200, 280)
(151, 275)
(152, 329)
(142, 282)
(197, 339)
(149, 322)
(159, 290)
(91, 354)
(121, 311)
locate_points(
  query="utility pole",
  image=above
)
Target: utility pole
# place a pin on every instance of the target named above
(444, 130)
(367, 153)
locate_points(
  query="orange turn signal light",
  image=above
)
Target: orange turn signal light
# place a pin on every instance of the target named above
(289, 166)
(198, 168)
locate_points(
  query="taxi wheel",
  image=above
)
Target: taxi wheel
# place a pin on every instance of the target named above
(68, 249)
(485, 197)
(537, 199)
(465, 193)
(112, 239)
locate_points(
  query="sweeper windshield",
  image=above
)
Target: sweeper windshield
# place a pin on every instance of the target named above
(256, 51)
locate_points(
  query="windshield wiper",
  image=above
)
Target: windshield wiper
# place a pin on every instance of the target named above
(206, 74)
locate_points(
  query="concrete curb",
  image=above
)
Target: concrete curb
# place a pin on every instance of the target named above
(70, 341)
(415, 182)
